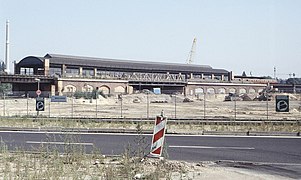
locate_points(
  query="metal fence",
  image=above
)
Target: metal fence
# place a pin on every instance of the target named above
(147, 106)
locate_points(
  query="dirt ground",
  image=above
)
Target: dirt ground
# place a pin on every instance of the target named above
(77, 166)
(148, 106)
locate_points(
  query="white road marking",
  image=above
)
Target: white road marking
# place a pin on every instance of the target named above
(211, 147)
(234, 136)
(132, 134)
(58, 143)
(262, 163)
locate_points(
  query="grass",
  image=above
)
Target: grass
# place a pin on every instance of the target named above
(72, 162)
(172, 127)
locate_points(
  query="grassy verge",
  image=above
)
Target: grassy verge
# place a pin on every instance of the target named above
(172, 126)
(70, 161)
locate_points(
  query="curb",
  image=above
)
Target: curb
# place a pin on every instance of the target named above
(134, 131)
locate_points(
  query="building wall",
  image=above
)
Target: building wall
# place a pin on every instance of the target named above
(223, 88)
(67, 85)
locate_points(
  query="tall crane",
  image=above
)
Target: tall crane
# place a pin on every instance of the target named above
(192, 52)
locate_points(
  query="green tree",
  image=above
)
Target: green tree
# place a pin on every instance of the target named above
(5, 87)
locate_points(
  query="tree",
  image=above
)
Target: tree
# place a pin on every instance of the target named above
(244, 74)
(4, 88)
(2, 66)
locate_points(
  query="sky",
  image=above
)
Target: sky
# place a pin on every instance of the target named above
(237, 35)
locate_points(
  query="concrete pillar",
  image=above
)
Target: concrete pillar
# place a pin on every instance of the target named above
(80, 71)
(223, 77)
(95, 72)
(46, 67)
(191, 75)
(212, 76)
(63, 70)
(60, 87)
(52, 91)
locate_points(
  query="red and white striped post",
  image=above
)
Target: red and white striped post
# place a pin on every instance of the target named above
(158, 136)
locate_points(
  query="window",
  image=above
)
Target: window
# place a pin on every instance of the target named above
(55, 71)
(88, 72)
(72, 71)
(26, 71)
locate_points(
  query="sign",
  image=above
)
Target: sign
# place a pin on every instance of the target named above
(58, 98)
(158, 136)
(282, 103)
(40, 104)
(38, 92)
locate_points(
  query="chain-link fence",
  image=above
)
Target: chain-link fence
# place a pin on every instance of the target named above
(147, 106)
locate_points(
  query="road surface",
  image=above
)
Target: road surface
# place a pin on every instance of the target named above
(276, 154)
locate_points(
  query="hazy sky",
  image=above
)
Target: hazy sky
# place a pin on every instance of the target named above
(236, 35)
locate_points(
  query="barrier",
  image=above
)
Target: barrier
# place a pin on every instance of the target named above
(158, 136)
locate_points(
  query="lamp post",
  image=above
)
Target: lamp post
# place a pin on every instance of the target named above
(120, 98)
(147, 104)
(38, 90)
(294, 84)
(204, 105)
(175, 105)
(38, 81)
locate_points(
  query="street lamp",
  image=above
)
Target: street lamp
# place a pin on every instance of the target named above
(38, 80)
(120, 98)
(147, 104)
(176, 105)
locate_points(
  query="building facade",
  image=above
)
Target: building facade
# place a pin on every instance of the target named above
(85, 74)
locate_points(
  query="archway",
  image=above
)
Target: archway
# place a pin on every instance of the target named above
(252, 91)
(87, 88)
(232, 90)
(69, 88)
(211, 90)
(199, 91)
(221, 91)
(242, 91)
(119, 89)
(104, 89)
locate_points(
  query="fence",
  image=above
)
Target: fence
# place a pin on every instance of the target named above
(147, 106)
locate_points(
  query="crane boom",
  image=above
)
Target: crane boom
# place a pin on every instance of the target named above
(192, 52)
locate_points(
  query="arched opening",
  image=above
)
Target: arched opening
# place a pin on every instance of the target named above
(69, 89)
(199, 91)
(260, 90)
(242, 91)
(252, 91)
(119, 89)
(87, 88)
(221, 91)
(232, 90)
(210, 91)
(104, 89)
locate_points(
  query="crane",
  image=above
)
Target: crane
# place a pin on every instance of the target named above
(192, 52)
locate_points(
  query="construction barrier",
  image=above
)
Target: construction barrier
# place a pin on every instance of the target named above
(158, 136)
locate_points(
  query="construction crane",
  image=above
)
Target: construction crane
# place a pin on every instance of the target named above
(192, 52)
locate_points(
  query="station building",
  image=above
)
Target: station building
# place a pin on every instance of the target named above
(62, 74)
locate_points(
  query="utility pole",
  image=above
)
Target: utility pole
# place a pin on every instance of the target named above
(7, 48)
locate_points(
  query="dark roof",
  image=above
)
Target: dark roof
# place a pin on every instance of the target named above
(130, 64)
(30, 61)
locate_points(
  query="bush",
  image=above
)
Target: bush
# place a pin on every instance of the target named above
(88, 95)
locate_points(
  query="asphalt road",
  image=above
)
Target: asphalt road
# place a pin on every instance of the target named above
(276, 152)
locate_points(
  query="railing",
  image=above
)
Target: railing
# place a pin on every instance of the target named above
(144, 77)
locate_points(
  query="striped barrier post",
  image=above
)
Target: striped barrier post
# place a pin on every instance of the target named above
(158, 136)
